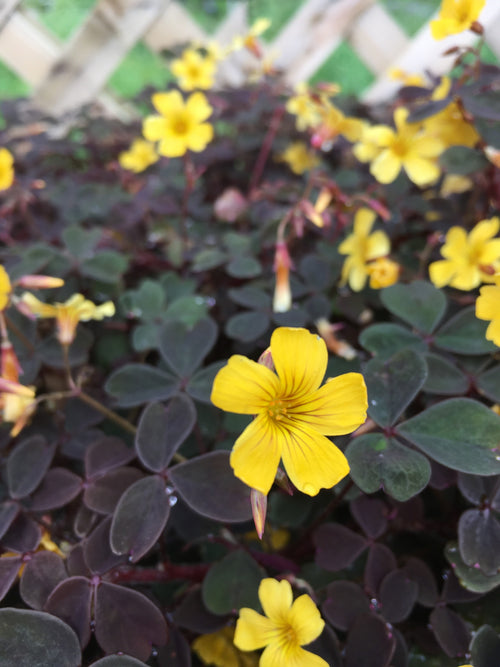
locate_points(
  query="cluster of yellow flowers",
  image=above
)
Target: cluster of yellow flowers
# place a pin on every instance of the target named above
(17, 401)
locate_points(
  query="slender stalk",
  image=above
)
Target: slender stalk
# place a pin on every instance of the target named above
(106, 411)
(266, 147)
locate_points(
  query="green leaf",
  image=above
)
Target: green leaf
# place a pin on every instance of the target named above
(231, 584)
(485, 647)
(27, 464)
(81, 242)
(187, 309)
(37, 639)
(208, 485)
(34, 258)
(459, 433)
(244, 267)
(50, 350)
(377, 462)
(184, 348)
(247, 326)
(462, 160)
(139, 517)
(393, 384)
(383, 340)
(199, 386)
(488, 383)
(106, 266)
(464, 334)
(147, 302)
(443, 377)
(145, 337)
(162, 430)
(135, 384)
(209, 258)
(237, 244)
(250, 297)
(419, 304)
(479, 540)
(470, 577)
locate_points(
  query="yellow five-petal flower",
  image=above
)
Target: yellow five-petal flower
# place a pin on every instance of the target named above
(470, 259)
(285, 628)
(456, 16)
(76, 309)
(362, 247)
(180, 126)
(293, 413)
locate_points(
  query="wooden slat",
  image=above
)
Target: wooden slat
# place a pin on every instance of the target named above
(7, 8)
(425, 53)
(233, 70)
(312, 34)
(173, 27)
(377, 39)
(91, 56)
(27, 49)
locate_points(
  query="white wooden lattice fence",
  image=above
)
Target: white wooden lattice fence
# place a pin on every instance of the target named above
(64, 77)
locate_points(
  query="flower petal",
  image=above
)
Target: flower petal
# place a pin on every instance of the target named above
(198, 107)
(306, 620)
(199, 137)
(253, 630)
(488, 302)
(275, 655)
(377, 245)
(386, 167)
(421, 170)
(442, 272)
(484, 230)
(37, 307)
(167, 103)
(311, 461)
(300, 359)
(154, 128)
(244, 386)
(172, 146)
(256, 454)
(493, 331)
(337, 408)
(363, 222)
(276, 598)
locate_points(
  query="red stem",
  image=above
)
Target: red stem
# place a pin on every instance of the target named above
(170, 571)
(266, 147)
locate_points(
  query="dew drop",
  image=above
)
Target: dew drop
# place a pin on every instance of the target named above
(373, 401)
(154, 653)
(130, 559)
(172, 500)
(169, 490)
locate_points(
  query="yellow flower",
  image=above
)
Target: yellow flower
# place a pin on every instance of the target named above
(249, 40)
(470, 259)
(6, 169)
(217, 648)
(5, 288)
(362, 247)
(449, 125)
(17, 403)
(139, 156)
(333, 123)
(408, 147)
(180, 126)
(366, 149)
(455, 184)
(194, 71)
(76, 309)
(293, 414)
(383, 272)
(488, 308)
(456, 16)
(299, 158)
(285, 628)
(304, 107)
(406, 79)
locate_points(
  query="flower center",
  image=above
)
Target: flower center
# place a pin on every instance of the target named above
(400, 147)
(277, 409)
(180, 125)
(288, 636)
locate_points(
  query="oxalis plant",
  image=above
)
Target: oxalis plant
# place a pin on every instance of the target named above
(249, 377)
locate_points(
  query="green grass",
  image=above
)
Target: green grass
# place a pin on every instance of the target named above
(345, 68)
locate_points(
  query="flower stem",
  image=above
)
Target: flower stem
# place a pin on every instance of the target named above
(106, 411)
(266, 147)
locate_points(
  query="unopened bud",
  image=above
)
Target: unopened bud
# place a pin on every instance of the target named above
(259, 510)
(39, 282)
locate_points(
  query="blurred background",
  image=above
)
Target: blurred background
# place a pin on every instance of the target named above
(63, 53)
